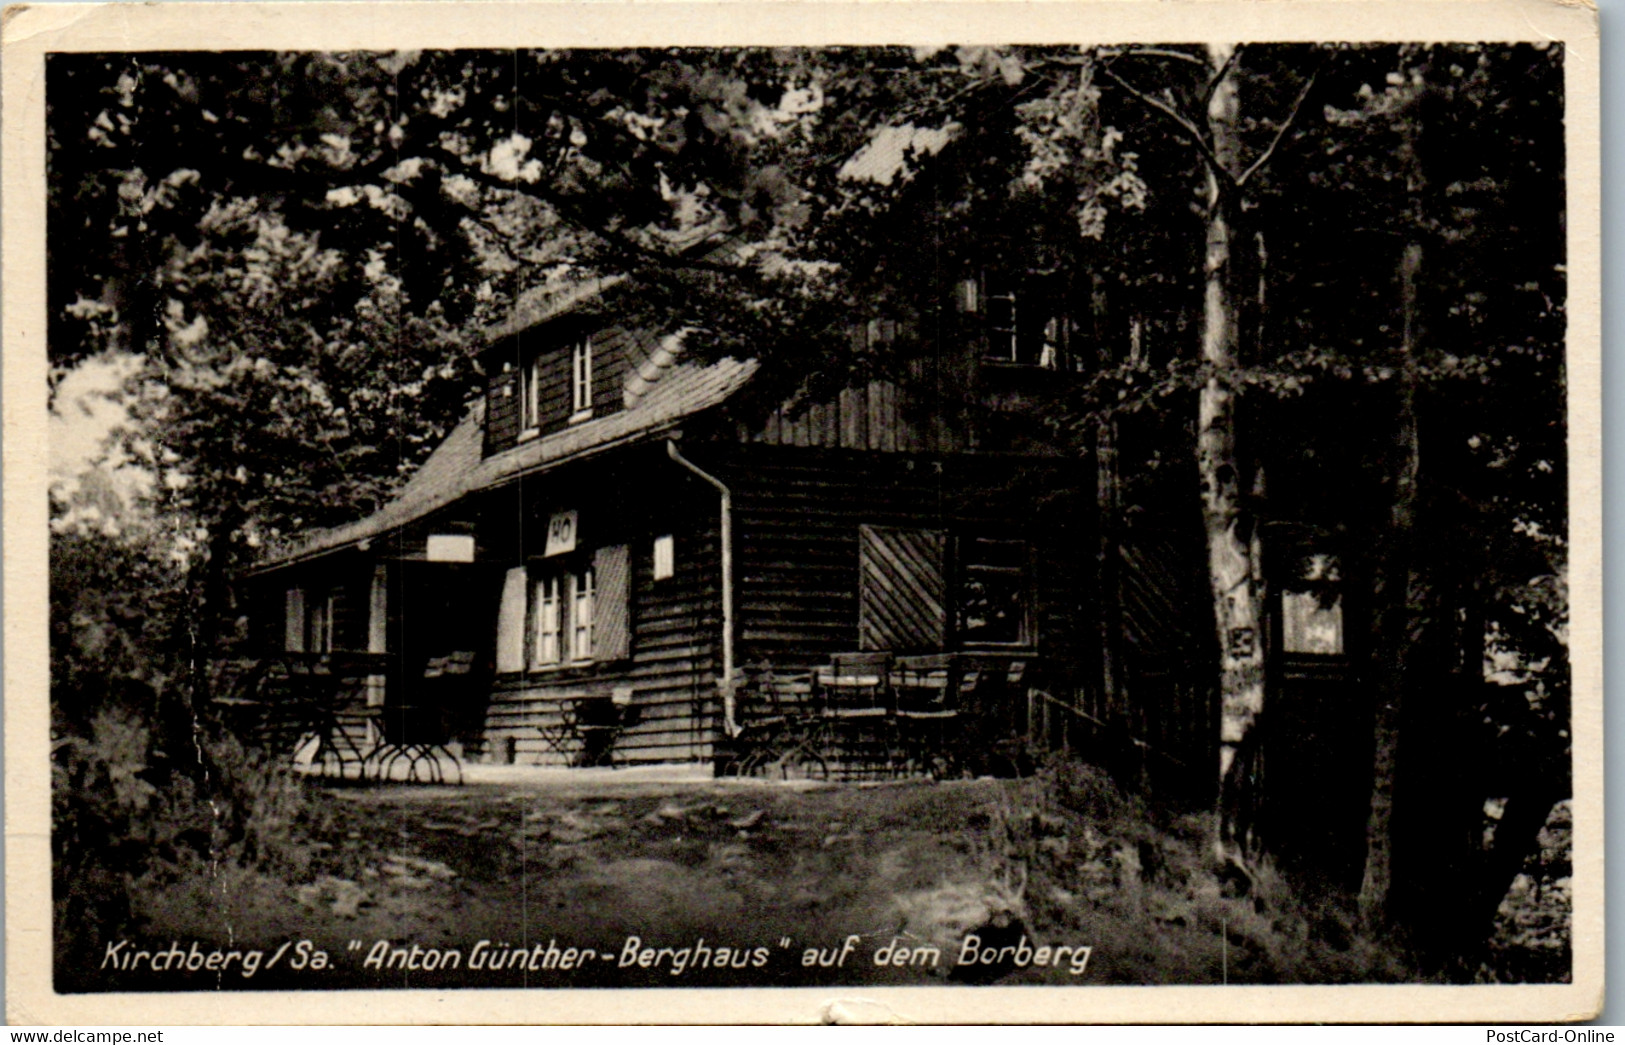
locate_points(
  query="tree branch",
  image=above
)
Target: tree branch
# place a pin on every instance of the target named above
(1191, 132)
(1158, 52)
(1280, 132)
(616, 238)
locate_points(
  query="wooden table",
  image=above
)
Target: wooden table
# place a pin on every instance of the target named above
(589, 725)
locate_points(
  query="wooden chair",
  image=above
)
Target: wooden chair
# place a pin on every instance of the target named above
(304, 707)
(557, 729)
(926, 690)
(598, 722)
(778, 737)
(859, 727)
(992, 703)
(583, 729)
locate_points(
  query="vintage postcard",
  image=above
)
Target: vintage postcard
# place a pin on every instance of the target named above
(928, 512)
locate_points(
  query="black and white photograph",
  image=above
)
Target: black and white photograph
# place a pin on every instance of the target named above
(787, 513)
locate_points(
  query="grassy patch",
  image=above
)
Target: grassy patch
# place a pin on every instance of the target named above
(1063, 859)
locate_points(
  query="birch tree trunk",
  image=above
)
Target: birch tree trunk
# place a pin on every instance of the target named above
(1231, 547)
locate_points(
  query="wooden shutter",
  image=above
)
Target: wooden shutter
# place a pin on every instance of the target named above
(378, 610)
(502, 411)
(511, 622)
(293, 620)
(1156, 587)
(377, 629)
(902, 603)
(612, 609)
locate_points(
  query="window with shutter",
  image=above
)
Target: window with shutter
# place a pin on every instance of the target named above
(319, 606)
(530, 398)
(1023, 323)
(905, 598)
(324, 618)
(901, 589)
(579, 609)
(581, 379)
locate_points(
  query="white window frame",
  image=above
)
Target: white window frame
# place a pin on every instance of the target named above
(548, 637)
(530, 398)
(561, 615)
(581, 379)
(1004, 342)
(581, 615)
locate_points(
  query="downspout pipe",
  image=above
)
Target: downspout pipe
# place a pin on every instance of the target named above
(727, 541)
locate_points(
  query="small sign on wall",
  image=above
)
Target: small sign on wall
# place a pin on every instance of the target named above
(665, 557)
(561, 533)
(450, 547)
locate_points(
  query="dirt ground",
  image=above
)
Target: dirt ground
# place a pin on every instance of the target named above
(612, 879)
(733, 864)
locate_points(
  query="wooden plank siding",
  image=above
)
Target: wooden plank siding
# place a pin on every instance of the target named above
(552, 355)
(1166, 625)
(673, 669)
(798, 516)
(878, 417)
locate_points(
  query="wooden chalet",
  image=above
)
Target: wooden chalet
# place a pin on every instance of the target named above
(612, 537)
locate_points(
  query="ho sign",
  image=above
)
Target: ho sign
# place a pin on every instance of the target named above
(561, 533)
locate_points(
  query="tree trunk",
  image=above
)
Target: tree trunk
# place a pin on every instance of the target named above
(1108, 495)
(1397, 591)
(1231, 546)
(1108, 599)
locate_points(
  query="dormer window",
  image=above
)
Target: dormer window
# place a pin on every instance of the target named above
(581, 380)
(539, 385)
(552, 377)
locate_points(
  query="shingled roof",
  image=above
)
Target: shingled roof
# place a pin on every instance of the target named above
(458, 468)
(548, 303)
